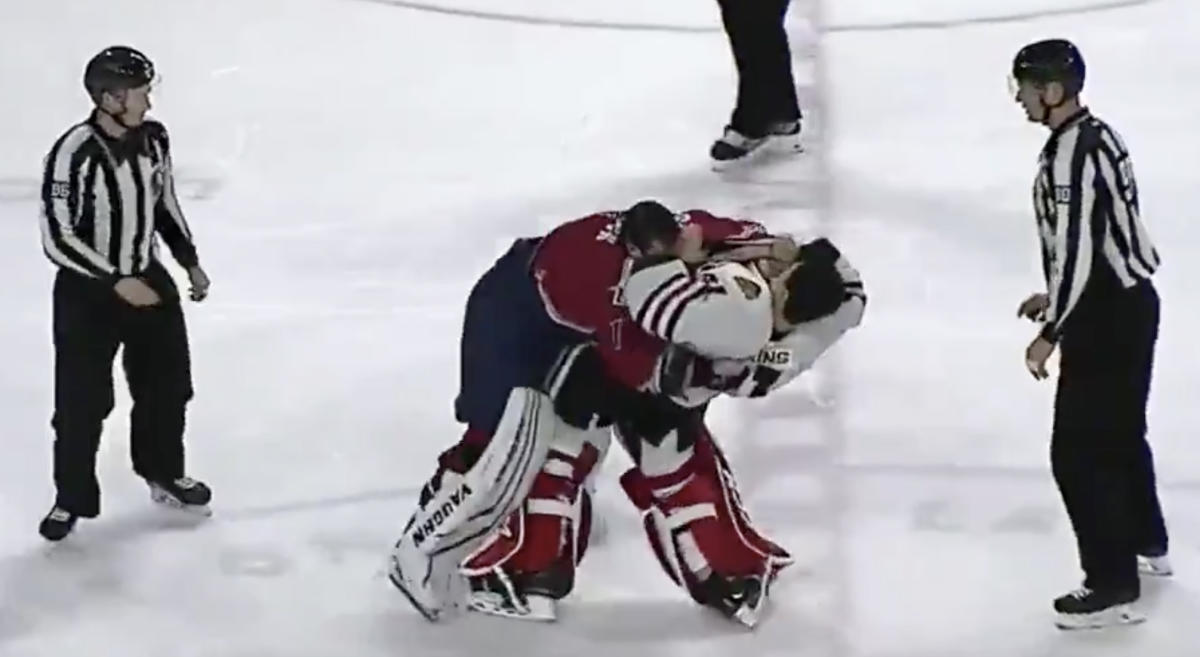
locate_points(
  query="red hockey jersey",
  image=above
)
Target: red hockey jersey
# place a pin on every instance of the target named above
(579, 268)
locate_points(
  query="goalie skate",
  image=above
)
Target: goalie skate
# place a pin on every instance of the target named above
(745, 600)
(496, 594)
(523, 569)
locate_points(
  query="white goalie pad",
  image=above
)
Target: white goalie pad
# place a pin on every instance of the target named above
(549, 533)
(466, 508)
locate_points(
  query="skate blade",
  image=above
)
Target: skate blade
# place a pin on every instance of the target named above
(743, 162)
(751, 613)
(200, 510)
(1154, 568)
(768, 154)
(748, 616)
(1114, 616)
(783, 144)
(538, 608)
(397, 580)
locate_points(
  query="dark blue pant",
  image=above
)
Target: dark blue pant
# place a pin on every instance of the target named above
(508, 339)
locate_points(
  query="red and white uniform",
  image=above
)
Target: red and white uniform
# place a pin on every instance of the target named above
(580, 267)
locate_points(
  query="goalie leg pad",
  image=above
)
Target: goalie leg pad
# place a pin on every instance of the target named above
(701, 534)
(710, 453)
(530, 562)
(457, 511)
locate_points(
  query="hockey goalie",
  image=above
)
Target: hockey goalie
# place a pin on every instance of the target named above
(510, 498)
(744, 319)
(549, 361)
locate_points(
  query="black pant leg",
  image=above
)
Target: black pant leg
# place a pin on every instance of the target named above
(1091, 467)
(157, 362)
(766, 89)
(737, 19)
(1101, 459)
(1129, 340)
(1069, 464)
(85, 325)
(780, 83)
(1114, 511)
(1150, 527)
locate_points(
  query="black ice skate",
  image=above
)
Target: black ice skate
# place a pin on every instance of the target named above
(57, 524)
(183, 493)
(1084, 608)
(734, 147)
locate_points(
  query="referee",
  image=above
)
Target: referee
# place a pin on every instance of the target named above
(106, 190)
(767, 109)
(1102, 310)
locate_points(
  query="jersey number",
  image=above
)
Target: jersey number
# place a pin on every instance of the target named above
(615, 327)
(1128, 184)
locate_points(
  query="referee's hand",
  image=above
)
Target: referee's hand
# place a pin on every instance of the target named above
(200, 283)
(1034, 308)
(136, 292)
(1036, 356)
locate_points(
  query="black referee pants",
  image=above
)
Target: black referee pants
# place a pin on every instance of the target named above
(766, 91)
(90, 323)
(1101, 461)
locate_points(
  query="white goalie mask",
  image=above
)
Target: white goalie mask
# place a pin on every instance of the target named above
(720, 310)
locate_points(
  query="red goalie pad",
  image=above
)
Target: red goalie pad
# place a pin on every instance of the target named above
(696, 523)
(550, 529)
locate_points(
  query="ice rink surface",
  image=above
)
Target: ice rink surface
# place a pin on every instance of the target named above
(351, 166)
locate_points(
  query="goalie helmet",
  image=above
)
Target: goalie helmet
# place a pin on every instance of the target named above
(722, 310)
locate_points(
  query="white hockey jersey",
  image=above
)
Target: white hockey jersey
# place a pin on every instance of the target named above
(733, 334)
(782, 360)
(787, 357)
(723, 309)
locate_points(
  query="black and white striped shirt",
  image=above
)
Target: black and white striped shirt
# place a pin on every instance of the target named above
(103, 200)
(1086, 201)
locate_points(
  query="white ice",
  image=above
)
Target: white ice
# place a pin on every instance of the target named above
(351, 166)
